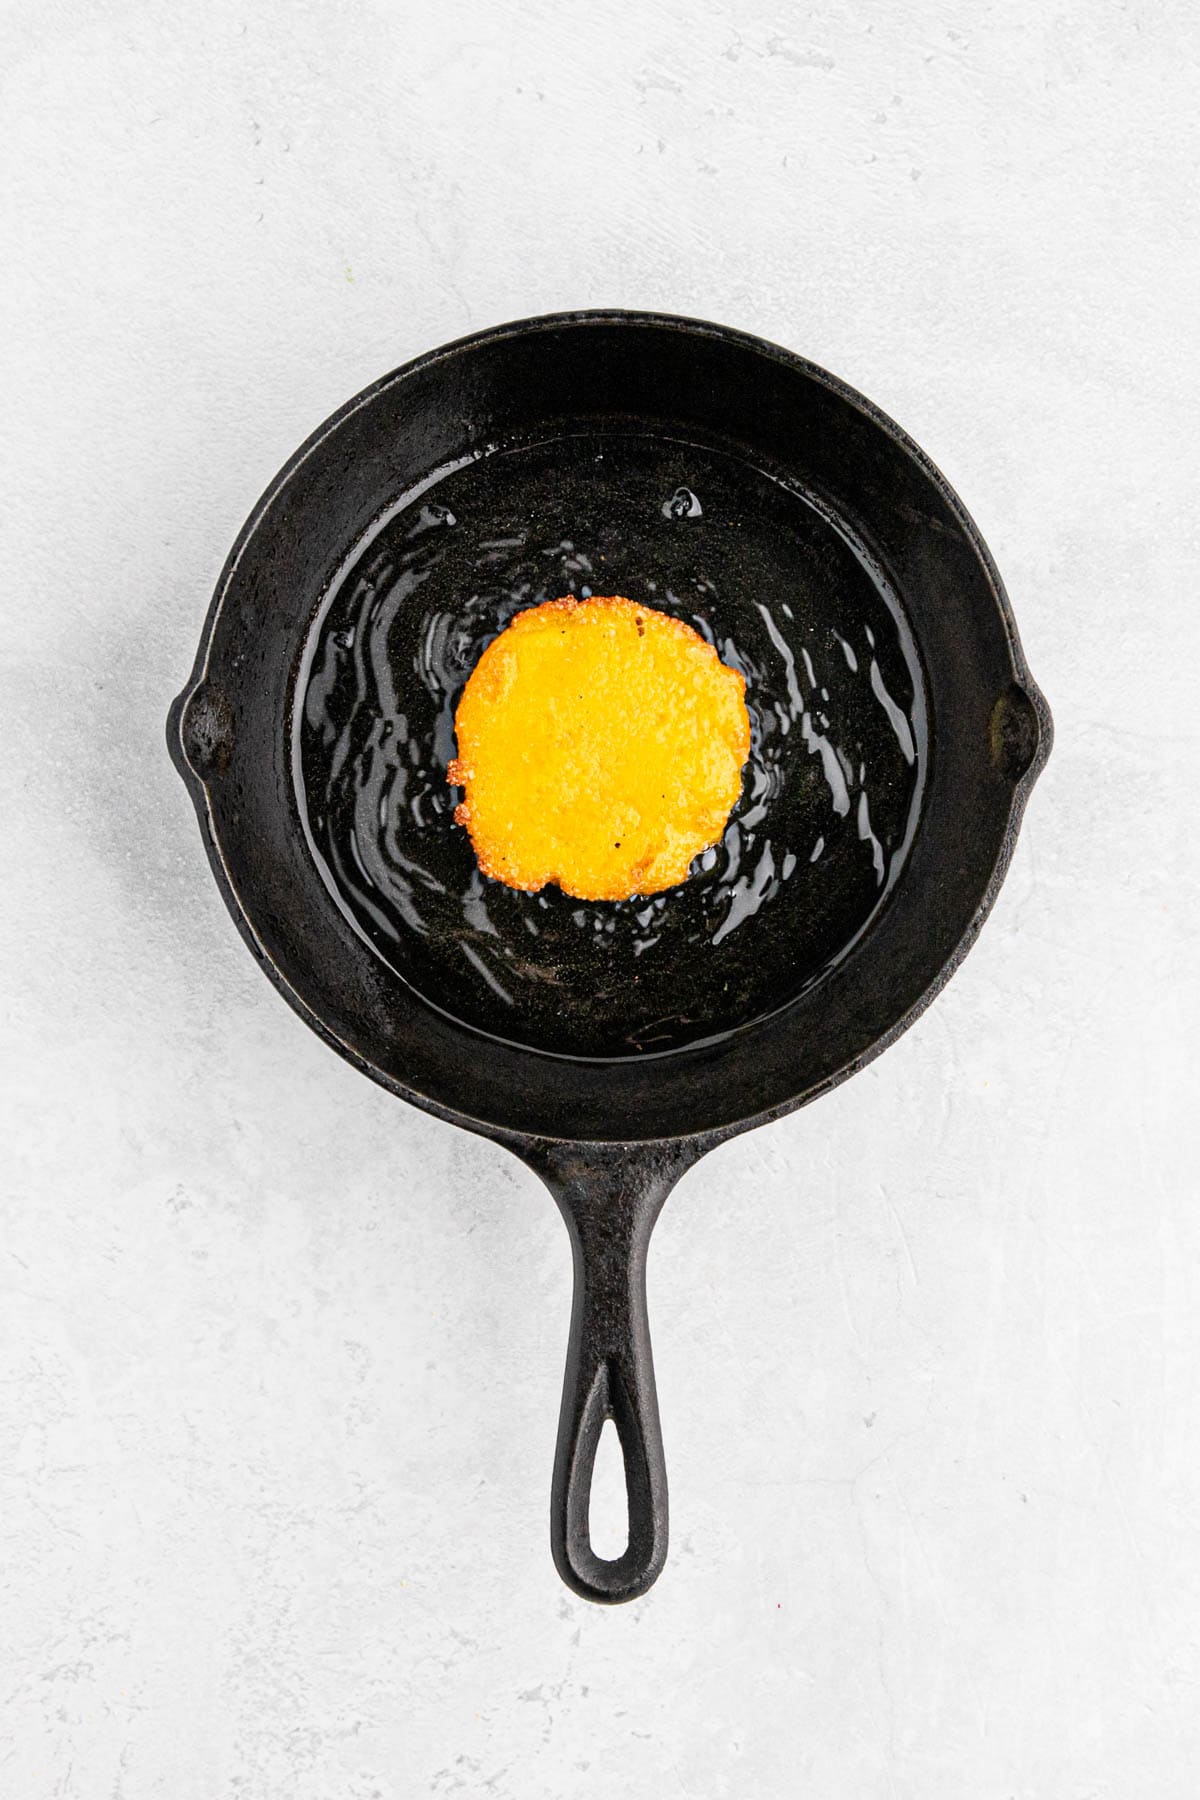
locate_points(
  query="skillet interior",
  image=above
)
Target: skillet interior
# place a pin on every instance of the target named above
(830, 796)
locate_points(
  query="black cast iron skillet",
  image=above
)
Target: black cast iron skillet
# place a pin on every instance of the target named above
(897, 733)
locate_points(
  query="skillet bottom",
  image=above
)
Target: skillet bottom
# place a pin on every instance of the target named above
(831, 793)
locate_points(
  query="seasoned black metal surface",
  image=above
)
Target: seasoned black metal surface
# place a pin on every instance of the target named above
(830, 794)
(610, 1064)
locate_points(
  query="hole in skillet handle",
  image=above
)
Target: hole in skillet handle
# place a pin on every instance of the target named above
(608, 1508)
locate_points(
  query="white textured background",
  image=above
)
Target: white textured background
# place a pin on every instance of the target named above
(281, 1357)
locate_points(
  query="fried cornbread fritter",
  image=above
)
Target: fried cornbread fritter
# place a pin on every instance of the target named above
(601, 746)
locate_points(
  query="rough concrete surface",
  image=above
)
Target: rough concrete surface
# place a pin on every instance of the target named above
(280, 1356)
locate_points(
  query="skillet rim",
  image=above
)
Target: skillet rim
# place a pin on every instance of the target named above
(701, 1136)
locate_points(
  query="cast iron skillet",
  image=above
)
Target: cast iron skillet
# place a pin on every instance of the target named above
(711, 474)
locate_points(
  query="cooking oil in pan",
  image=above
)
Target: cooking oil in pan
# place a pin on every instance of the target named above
(831, 791)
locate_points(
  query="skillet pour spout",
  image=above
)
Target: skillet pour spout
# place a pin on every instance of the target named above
(897, 735)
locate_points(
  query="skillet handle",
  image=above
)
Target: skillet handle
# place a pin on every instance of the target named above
(610, 1197)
